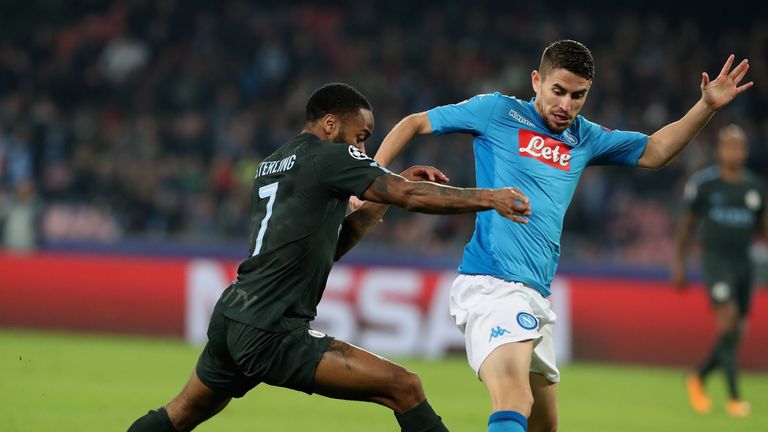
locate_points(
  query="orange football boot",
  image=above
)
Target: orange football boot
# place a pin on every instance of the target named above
(737, 408)
(698, 397)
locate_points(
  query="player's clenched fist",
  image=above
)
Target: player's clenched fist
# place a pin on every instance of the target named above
(512, 204)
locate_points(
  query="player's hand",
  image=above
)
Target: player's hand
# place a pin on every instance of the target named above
(719, 92)
(354, 204)
(678, 276)
(512, 204)
(425, 173)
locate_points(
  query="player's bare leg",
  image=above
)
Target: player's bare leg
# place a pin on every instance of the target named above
(348, 372)
(195, 404)
(543, 416)
(505, 374)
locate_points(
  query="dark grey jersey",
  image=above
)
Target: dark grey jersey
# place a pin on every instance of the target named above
(729, 213)
(299, 199)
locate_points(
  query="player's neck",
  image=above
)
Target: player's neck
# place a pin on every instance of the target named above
(731, 174)
(316, 130)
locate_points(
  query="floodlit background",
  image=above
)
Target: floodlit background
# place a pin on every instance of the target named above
(130, 131)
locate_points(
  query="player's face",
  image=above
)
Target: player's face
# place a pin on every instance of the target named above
(354, 129)
(560, 95)
(731, 150)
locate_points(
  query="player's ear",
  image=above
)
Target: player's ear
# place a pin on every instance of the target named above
(536, 81)
(330, 123)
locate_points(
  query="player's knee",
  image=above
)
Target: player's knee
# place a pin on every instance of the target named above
(408, 391)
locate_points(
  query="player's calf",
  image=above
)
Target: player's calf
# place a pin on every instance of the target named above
(406, 391)
(154, 421)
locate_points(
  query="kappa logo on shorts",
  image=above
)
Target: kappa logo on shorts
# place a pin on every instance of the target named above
(497, 332)
(315, 333)
(357, 154)
(527, 321)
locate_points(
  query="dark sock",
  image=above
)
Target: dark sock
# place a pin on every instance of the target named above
(712, 361)
(154, 421)
(730, 342)
(422, 418)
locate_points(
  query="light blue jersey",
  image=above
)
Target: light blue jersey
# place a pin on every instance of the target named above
(514, 148)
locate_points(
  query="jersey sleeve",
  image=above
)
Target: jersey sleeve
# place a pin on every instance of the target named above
(470, 116)
(615, 147)
(693, 200)
(345, 170)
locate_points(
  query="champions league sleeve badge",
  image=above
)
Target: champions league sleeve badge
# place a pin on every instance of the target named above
(357, 154)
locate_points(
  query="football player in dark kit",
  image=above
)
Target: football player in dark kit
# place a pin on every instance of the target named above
(259, 331)
(728, 201)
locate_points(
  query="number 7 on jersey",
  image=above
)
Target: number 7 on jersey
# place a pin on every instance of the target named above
(268, 191)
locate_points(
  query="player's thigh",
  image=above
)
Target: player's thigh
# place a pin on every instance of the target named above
(348, 372)
(544, 412)
(505, 374)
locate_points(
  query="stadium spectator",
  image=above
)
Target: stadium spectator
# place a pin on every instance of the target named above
(131, 108)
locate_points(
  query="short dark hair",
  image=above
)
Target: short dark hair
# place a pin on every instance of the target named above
(335, 98)
(569, 55)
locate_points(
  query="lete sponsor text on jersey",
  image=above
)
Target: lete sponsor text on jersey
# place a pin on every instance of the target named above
(544, 149)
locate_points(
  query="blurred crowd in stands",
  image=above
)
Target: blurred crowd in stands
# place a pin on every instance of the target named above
(146, 119)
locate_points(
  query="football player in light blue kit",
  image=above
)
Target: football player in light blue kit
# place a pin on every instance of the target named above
(541, 146)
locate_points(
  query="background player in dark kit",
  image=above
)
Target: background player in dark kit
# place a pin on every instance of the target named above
(728, 203)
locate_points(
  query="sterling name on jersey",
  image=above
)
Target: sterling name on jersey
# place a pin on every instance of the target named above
(299, 199)
(730, 213)
(514, 148)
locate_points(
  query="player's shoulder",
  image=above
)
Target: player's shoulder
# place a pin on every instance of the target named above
(337, 152)
(310, 144)
(482, 99)
(584, 127)
(704, 176)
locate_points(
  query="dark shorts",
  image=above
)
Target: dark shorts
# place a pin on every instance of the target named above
(729, 281)
(238, 357)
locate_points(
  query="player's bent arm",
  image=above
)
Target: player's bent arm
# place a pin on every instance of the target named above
(428, 197)
(683, 235)
(682, 246)
(671, 139)
(357, 224)
(400, 135)
(360, 222)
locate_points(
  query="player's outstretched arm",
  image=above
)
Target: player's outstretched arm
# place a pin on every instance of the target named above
(360, 222)
(682, 246)
(400, 135)
(668, 141)
(428, 197)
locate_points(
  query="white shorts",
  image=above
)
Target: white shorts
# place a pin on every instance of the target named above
(492, 312)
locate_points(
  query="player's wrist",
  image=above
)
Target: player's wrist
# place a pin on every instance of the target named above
(709, 108)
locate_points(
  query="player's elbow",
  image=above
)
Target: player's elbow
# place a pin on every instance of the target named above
(653, 158)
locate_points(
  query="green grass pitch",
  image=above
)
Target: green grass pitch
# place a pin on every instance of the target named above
(65, 382)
